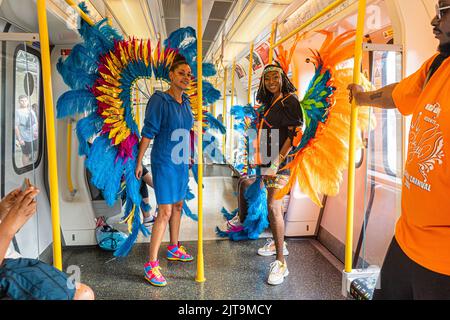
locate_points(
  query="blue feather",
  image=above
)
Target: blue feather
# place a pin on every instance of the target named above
(221, 233)
(213, 123)
(146, 207)
(137, 226)
(208, 69)
(185, 41)
(74, 102)
(186, 210)
(256, 220)
(229, 215)
(106, 171)
(87, 128)
(210, 94)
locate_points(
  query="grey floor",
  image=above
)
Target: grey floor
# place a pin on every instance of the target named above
(233, 270)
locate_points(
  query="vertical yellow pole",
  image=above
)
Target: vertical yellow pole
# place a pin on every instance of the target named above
(224, 111)
(213, 107)
(50, 126)
(354, 119)
(250, 74)
(200, 265)
(69, 156)
(233, 71)
(272, 41)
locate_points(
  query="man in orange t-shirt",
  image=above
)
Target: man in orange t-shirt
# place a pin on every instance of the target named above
(417, 265)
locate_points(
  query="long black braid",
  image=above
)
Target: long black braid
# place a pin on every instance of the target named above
(263, 96)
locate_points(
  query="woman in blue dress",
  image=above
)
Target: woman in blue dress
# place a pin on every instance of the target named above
(168, 120)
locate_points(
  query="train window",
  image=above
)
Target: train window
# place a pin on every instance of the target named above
(27, 75)
(391, 118)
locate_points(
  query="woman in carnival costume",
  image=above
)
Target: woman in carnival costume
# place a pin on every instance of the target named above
(280, 119)
(166, 113)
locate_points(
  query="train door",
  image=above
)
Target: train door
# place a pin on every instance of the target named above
(383, 164)
(23, 135)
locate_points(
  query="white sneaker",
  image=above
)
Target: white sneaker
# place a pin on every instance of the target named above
(269, 249)
(278, 271)
(149, 221)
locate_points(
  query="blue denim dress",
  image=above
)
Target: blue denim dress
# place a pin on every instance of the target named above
(164, 117)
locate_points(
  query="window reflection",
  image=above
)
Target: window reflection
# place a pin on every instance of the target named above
(26, 120)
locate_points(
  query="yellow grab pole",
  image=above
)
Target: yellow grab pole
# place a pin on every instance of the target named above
(224, 111)
(233, 71)
(250, 74)
(272, 41)
(83, 15)
(200, 265)
(354, 119)
(213, 107)
(69, 156)
(309, 22)
(50, 125)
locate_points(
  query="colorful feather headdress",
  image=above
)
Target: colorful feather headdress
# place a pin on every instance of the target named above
(101, 73)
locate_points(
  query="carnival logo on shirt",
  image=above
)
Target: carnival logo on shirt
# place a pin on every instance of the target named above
(426, 146)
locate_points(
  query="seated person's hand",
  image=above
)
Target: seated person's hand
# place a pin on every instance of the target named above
(7, 202)
(23, 209)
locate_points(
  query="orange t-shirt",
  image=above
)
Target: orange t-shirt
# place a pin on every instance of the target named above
(423, 230)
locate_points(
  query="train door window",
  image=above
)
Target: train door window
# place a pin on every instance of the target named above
(27, 113)
(391, 118)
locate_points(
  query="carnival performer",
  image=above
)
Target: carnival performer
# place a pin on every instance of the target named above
(168, 114)
(280, 119)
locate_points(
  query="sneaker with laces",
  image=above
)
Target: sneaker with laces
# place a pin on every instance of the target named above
(148, 221)
(153, 274)
(235, 224)
(178, 253)
(278, 271)
(269, 249)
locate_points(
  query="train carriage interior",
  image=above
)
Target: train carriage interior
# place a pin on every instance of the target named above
(239, 37)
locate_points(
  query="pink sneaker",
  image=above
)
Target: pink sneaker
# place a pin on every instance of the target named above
(178, 253)
(153, 274)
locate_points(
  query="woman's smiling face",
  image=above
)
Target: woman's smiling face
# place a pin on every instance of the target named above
(272, 81)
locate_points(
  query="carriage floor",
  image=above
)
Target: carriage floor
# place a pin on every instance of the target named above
(233, 270)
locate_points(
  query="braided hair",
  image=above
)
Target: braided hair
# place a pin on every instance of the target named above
(263, 95)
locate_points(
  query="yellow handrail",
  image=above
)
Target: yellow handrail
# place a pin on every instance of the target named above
(309, 22)
(69, 157)
(224, 112)
(272, 41)
(51, 139)
(352, 151)
(200, 265)
(250, 74)
(80, 12)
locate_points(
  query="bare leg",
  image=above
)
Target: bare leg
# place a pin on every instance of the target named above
(276, 222)
(175, 222)
(165, 212)
(84, 292)
(148, 179)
